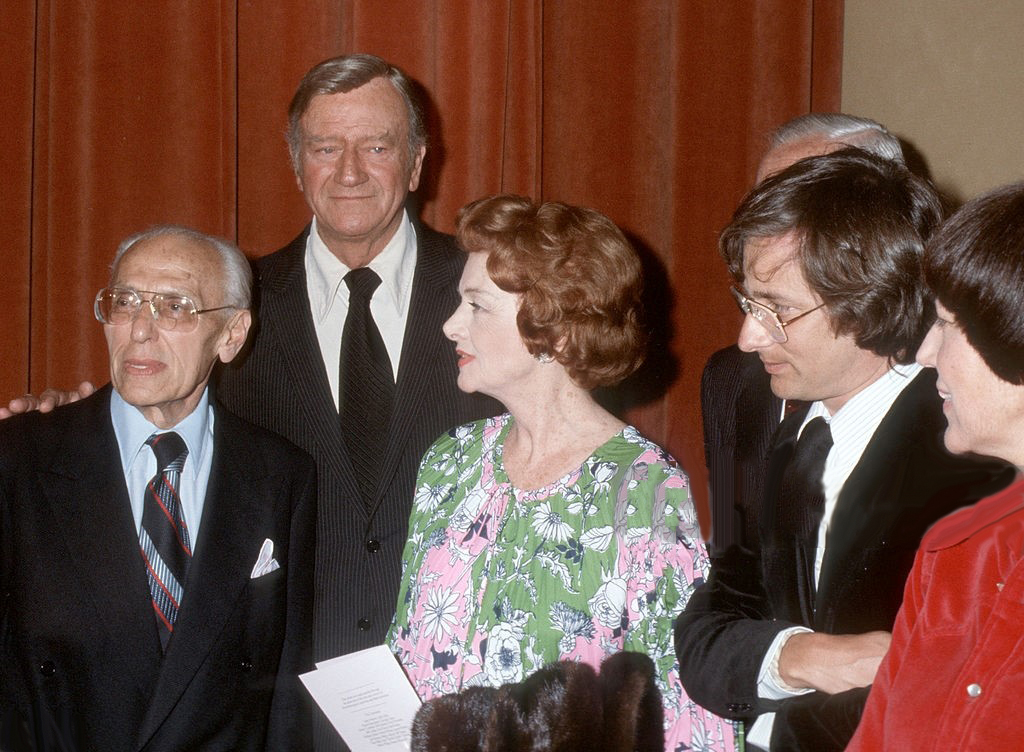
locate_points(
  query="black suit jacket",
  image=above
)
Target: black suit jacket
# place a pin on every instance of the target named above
(80, 657)
(282, 385)
(904, 481)
(740, 415)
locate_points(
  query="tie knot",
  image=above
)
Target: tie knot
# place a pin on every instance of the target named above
(816, 437)
(362, 282)
(168, 447)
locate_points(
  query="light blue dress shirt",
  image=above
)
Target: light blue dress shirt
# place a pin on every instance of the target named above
(139, 462)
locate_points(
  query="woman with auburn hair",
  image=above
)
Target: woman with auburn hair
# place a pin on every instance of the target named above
(954, 674)
(554, 531)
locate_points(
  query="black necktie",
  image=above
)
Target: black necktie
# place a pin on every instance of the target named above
(802, 492)
(367, 382)
(163, 538)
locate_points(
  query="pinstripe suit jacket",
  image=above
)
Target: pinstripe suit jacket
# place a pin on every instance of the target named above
(281, 384)
(740, 415)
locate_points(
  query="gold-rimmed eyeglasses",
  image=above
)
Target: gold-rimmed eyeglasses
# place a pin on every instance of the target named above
(119, 305)
(766, 317)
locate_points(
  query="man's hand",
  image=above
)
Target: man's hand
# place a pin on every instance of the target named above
(832, 663)
(46, 401)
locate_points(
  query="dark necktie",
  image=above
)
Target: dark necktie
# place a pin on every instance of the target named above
(164, 538)
(802, 492)
(367, 383)
(791, 406)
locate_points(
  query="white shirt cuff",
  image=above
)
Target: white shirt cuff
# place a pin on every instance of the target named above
(770, 685)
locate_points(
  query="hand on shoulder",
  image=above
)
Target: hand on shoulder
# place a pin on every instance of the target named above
(46, 401)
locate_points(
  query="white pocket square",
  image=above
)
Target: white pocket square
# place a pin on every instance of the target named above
(265, 562)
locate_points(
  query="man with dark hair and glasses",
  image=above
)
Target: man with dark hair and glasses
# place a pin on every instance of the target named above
(739, 411)
(156, 552)
(794, 620)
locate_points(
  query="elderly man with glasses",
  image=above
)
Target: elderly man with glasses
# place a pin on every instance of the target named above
(793, 623)
(156, 552)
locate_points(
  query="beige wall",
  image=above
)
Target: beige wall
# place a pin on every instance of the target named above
(947, 76)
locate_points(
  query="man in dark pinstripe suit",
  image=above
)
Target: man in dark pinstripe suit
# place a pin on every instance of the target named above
(357, 144)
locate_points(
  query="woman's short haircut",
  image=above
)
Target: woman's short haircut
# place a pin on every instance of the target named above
(975, 266)
(861, 222)
(578, 279)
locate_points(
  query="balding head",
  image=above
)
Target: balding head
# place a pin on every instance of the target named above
(823, 133)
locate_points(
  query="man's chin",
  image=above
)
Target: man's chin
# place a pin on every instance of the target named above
(783, 388)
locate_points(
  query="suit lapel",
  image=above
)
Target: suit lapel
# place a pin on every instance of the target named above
(286, 322)
(868, 505)
(420, 368)
(86, 491)
(225, 554)
(787, 561)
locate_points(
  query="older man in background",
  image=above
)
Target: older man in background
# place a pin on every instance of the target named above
(155, 550)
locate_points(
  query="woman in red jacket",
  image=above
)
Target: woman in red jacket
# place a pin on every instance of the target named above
(954, 674)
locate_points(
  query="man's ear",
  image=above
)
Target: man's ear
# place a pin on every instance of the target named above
(235, 333)
(416, 168)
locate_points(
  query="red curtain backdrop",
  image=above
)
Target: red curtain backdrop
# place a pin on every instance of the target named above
(119, 115)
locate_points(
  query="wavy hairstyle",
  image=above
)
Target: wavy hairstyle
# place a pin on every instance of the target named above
(340, 75)
(578, 279)
(862, 222)
(975, 266)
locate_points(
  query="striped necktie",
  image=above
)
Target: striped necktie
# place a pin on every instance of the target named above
(367, 383)
(163, 538)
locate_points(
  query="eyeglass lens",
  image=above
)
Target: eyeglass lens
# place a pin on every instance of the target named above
(115, 306)
(763, 315)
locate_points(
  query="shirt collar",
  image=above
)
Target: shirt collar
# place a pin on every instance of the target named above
(395, 265)
(132, 429)
(863, 412)
(961, 525)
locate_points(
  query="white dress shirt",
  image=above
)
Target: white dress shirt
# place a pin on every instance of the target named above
(852, 427)
(138, 460)
(328, 295)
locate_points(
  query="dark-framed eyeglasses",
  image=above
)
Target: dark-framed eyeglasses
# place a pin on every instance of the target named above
(766, 317)
(119, 305)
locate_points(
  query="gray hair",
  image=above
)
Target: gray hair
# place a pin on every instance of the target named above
(340, 75)
(849, 130)
(237, 283)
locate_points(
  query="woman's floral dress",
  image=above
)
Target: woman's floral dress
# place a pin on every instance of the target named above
(497, 582)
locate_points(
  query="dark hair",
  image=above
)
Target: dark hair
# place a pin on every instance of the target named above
(975, 266)
(340, 75)
(861, 222)
(578, 278)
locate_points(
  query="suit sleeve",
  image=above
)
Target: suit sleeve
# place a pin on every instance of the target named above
(723, 635)
(721, 640)
(290, 724)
